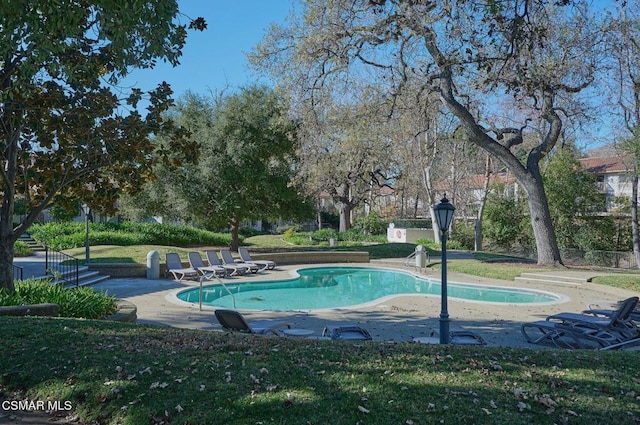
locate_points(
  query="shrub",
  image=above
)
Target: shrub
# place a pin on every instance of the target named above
(289, 234)
(83, 303)
(504, 221)
(299, 238)
(72, 235)
(21, 249)
(324, 235)
(283, 228)
(464, 236)
(248, 232)
(372, 224)
(430, 244)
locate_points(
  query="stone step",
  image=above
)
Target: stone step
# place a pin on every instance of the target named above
(554, 279)
(30, 242)
(94, 278)
(85, 277)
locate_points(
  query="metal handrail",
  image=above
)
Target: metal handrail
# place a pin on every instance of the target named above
(18, 271)
(208, 277)
(407, 260)
(62, 267)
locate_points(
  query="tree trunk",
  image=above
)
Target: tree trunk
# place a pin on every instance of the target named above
(345, 217)
(634, 216)
(483, 201)
(543, 231)
(6, 265)
(235, 226)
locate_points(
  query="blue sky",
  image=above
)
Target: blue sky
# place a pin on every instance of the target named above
(216, 58)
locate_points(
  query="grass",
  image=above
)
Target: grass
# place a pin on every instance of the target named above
(622, 280)
(118, 373)
(492, 270)
(138, 253)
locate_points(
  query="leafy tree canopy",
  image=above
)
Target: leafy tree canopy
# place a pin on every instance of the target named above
(65, 129)
(245, 168)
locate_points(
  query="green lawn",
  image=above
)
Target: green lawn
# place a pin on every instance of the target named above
(115, 373)
(138, 253)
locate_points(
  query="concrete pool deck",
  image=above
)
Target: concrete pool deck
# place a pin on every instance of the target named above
(399, 318)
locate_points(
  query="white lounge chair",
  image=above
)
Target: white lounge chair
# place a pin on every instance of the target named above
(227, 259)
(233, 269)
(196, 262)
(174, 266)
(235, 322)
(264, 264)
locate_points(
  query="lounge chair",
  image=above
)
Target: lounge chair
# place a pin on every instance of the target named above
(607, 308)
(232, 269)
(575, 330)
(346, 333)
(174, 266)
(227, 259)
(458, 337)
(234, 321)
(196, 262)
(264, 264)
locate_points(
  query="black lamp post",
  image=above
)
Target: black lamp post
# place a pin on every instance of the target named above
(444, 214)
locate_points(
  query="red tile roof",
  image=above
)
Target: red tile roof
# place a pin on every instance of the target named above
(608, 165)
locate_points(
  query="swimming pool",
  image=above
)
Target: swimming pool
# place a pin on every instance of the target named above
(335, 287)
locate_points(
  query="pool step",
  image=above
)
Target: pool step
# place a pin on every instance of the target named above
(554, 279)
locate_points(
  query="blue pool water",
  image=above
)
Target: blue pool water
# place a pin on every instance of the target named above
(334, 287)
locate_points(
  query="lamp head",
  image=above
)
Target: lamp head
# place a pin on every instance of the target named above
(444, 214)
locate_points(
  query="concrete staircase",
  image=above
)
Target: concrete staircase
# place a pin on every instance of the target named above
(574, 279)
(31, 243)
(86, 277)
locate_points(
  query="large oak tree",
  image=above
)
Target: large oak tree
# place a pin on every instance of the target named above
(530, 57)
(66, 130)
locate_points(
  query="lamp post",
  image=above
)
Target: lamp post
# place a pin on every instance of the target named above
(444, 214)
(86, 210)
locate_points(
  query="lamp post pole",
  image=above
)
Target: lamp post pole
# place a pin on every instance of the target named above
(444, 214)
(86, 210)
(444, 310)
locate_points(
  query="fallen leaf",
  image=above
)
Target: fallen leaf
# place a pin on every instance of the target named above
(546, 400)
(363, 410)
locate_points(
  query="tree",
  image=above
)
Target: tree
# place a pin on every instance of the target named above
(573, 195)
(623, 71)
(473, 54)
(244, 171)
(64, 133)
(504, 218)
(345, 152)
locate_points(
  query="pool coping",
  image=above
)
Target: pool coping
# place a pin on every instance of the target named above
(560, 298)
